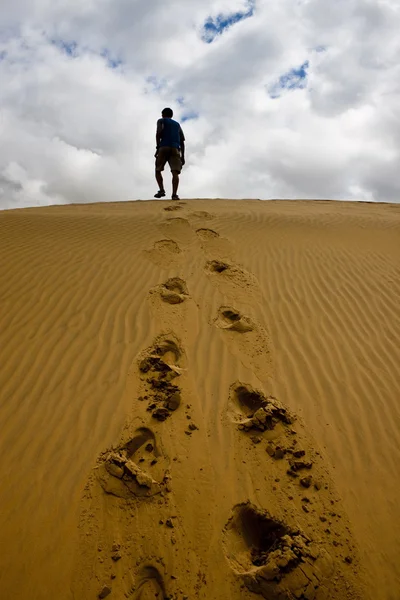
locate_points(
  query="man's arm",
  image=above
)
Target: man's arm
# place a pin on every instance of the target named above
(182, 144)
(160, 127)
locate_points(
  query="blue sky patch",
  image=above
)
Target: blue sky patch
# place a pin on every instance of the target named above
(295, 79)
(69, 48)
(189, 116)
(215, 26)
(112, 61)
(155, 84)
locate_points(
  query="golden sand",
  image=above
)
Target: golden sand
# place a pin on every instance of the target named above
(200, 400)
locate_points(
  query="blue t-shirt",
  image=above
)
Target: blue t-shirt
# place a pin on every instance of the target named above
(170, 133)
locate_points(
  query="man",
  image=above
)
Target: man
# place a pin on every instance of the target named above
(170, 143)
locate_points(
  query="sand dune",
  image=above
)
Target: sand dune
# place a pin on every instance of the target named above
(200, 400)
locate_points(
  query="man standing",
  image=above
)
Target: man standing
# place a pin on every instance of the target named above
(170, 147)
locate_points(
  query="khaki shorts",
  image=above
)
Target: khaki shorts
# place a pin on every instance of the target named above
(172, 155)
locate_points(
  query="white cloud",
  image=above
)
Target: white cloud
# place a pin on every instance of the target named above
(76, 129)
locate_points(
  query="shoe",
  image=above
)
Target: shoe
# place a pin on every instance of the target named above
(175, 197)
(160, 194)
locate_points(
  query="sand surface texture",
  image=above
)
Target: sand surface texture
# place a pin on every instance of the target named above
(200, 400)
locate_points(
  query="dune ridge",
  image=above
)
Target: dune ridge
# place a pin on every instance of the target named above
(242, 310)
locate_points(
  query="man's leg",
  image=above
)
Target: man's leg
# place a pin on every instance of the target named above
(160, 181)
(160, 163)
(175, 182)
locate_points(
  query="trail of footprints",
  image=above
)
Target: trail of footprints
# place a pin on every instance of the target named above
(275, 559)
(139, 467)
(272, 557)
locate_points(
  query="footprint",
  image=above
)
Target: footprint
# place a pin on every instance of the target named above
(213, 245)
(229, 318)
(158, 370)
(247, 340)
(275, 560)
(173, 291)
(167, 246)
(179, 229)
(165, 253)
(252, 410)
(136, 468)
(167, 349)
(144, 438)
(173, 207)
(174, 309)
(202, 214)
(233, 280)
(207, 234)
(150, 585)
(217, 266)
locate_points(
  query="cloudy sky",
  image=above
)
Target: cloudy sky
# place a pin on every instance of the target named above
(277, 98)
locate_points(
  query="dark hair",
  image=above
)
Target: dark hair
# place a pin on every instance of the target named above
(167, 112)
